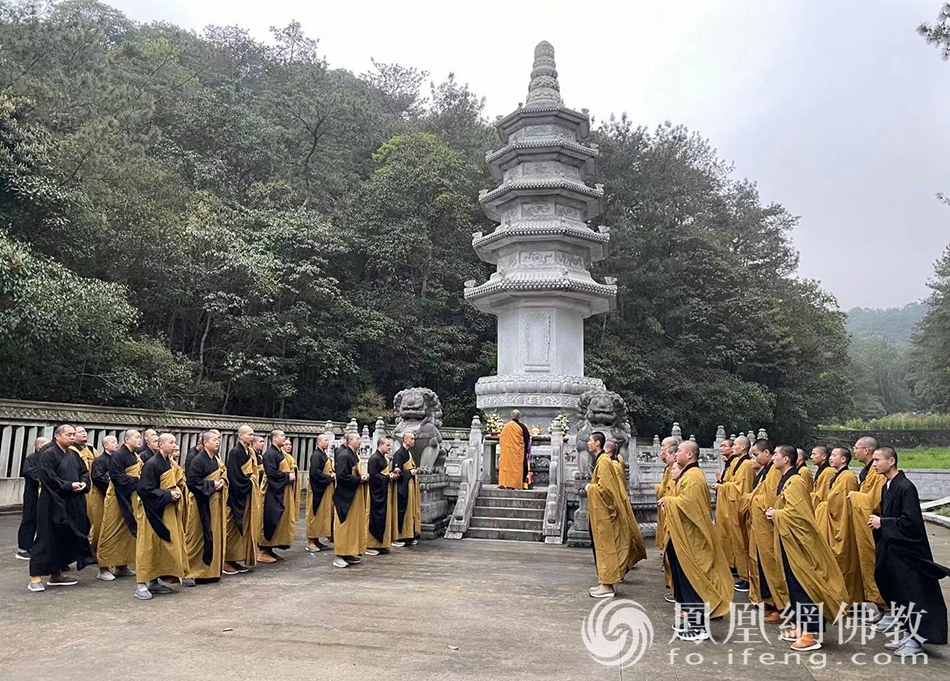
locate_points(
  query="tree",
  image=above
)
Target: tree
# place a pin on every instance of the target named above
(930, 355)
(938, 33)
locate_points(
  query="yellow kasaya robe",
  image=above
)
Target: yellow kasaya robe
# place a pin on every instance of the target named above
(609, 531)
(93, 504)
(284, 534)
(391, 523)
(185, 505)
(638, 548)
(809, 558)
(833, 516)
(809, 479)
(729, 520)
(512, 456)
(411, 526)
(217, 502)
(241, 545)
(154, 556)
(821, 487)
(690, 528)
(865, 503)
(761, 533)
(320, 524)
(662, 489)
(350, 526)
(116, 542)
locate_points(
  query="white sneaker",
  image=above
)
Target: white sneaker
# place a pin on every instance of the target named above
(912, 647)
(106, 576)
(399, 544)
(142, 593)
(372, 552)
(340, 563)
(22, 555)
(36, 586)
(313, 549)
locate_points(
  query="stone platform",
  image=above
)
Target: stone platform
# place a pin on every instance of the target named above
(514, 611)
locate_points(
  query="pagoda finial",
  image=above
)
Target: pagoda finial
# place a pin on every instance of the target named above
(544, 88)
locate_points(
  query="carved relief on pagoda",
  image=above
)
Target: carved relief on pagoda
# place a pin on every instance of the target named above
(533, 259)
(537, 209)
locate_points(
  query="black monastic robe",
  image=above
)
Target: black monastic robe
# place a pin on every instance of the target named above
(31, 492)
(124, 485)
(904, 568)
(62, 525)
(400, 459)
(274, 498)
(346, 483)
(378, 494)
(154, 498)
(100, 472)
(319, 481)
(197, 468)
(239, 485)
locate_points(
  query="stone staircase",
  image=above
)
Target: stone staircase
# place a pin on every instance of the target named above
(515, 515)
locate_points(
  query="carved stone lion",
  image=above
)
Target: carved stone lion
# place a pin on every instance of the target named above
(419, 410)
(604, 411)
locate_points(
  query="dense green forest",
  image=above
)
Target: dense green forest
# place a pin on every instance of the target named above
(893, 324)
(216, 223)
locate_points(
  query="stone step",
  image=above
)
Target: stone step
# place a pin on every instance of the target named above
(507, 523)
(509, 502)
(509, 535)
(496, 492)
(507, 512)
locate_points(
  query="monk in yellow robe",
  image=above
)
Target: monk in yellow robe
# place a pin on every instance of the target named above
(206, 527)
(833, 516)
(408, 494)
(119, 525)
(637, 549)
(723, 521)
(811, 572)
(244, 512)
(801, 463)
(864, 503)
(160, 540)
(699, 566)
(96, 500)
(351, 503)
(766, 580)
(823, 474)
(735, 483)
(513, 456)
(320, 496)
(88, 455)
(609, 529)
(664, 487)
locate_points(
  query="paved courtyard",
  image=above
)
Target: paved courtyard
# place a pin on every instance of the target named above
(443, 610)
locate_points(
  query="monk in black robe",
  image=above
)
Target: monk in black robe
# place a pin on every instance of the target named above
(382, 498)
(274, 507)
(62, 526)
(117, 538)
(31, 492)
(904, 570)
(319, 501)
(243, 513)
(407, 493)
(350, 500)
(149, 446)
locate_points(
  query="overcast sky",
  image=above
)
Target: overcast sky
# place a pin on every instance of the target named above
(836, 108)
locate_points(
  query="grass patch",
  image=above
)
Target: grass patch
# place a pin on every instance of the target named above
(944, 511)
(924, 457)
(898, 422)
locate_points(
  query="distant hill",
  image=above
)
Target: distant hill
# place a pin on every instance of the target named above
(894, 324)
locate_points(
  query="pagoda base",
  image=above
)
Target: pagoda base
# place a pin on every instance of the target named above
(539, 397)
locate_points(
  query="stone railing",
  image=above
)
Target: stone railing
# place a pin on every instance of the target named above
(555, 507)
(468, 466)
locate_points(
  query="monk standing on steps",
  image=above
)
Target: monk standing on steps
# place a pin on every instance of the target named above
(119, 527)
(699, 567)
(62, 527)
(811, 572)
(351, 503)
(206, 526)
(320, 496)
(243, 514)
(160, 541)
(513, 457)
(408, 499)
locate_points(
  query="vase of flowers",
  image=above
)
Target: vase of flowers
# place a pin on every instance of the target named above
(559, 425)
(493, 423)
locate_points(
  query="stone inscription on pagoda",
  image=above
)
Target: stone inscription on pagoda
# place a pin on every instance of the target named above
(542, 249)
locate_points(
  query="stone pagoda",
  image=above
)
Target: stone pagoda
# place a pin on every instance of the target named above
(542, 289)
